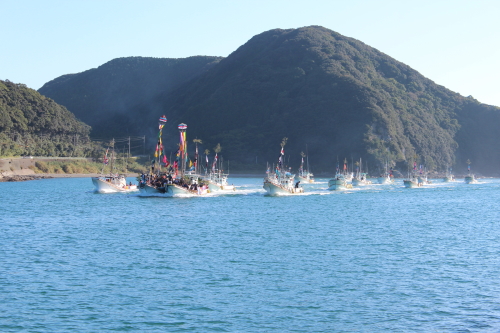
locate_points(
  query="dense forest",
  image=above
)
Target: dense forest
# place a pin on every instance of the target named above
(342, 98)
(32, 124)
(111, 98)
(335, 95)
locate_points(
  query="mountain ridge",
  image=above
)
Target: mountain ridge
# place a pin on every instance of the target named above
(335, 94)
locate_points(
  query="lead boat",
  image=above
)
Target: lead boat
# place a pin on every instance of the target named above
(173, 181)
(112, 182)
(281, 181)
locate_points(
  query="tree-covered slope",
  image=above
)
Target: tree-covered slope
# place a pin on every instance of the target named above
(116, 98)
(339, 96)
(33, 124)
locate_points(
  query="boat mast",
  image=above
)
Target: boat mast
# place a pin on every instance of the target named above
(307, 160)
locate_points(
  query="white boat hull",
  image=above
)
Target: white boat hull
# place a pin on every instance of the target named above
(276, 189)
(305, 180)
(103, 186)
(219, 187)
(357, 182)
(470, 180)
(384, 180)
(338, 184)
(170, 190)
(411, 184)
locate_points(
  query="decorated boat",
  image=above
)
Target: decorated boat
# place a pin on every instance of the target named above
(171, 180)
(412, 180)
(339, 182)
(342, 179)
(216, 178)
(281, 180)
(111, 182)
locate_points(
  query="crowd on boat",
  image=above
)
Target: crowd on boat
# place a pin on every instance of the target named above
(157, 181)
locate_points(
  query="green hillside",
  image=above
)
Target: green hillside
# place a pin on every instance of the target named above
(337, 95)
(32, 124)
(112, 98)
(341, 97)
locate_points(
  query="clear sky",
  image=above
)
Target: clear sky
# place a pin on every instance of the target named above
(455, 43)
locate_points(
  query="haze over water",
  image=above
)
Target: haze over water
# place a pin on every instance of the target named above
(376, 259)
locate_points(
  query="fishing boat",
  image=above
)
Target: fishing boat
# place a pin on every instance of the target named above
(216, 178)
(360, 179)
(112, 182)
(470, 178)
(217, 181)
(412, 180)
(305, 175)
(281, 181)
(386, 177)
(339, 182)
(342, 179)
(449, 177)
(173, 181)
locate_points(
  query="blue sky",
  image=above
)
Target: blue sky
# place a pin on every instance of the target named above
(454, 43)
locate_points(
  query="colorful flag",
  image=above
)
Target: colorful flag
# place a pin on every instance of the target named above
(105, 160)
(215, 162)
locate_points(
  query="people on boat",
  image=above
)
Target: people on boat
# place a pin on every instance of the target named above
(297, 184)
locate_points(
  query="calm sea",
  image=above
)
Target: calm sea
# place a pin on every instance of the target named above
(377, 259)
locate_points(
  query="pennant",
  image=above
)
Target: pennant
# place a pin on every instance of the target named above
(215, 162)
(105, 160)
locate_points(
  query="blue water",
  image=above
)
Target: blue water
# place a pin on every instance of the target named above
(377, 259)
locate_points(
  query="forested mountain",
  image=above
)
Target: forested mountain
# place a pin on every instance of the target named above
(342, 98)
(337, 95)
(110, 98)
(32, 124)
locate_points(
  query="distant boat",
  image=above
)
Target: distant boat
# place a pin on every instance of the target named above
(281, 181)
(342, 179)
(339, 182)
(360, 178)
(386, 177)
(449, 177)
(112, 182)
(412, 180)
(470, 178)
(305, 175)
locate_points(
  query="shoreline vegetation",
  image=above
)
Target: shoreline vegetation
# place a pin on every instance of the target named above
(16, 169)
